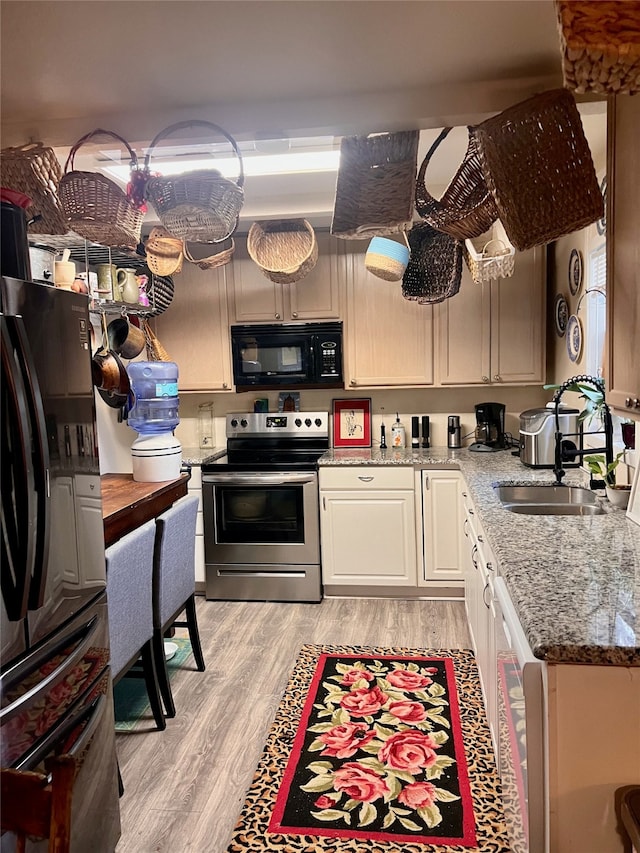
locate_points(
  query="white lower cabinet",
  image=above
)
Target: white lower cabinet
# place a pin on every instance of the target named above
(195, 488)
(367, 526)
(442, 516)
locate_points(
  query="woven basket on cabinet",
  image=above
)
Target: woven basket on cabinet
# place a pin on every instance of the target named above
(34, 169)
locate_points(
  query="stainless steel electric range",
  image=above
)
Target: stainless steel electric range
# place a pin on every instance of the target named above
(261, 512)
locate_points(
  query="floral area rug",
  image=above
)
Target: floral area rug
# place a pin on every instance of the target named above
(378, 750)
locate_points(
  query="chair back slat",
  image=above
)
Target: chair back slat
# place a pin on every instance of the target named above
(174, 560)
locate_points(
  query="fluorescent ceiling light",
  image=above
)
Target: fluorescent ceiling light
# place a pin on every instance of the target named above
(258, 164)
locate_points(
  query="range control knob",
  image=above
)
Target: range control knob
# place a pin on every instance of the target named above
(298, 422)
(234, 423)
(307, 422)
(243, 423)
(318, 422)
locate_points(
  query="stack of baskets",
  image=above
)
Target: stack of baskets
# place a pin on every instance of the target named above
(286, 250)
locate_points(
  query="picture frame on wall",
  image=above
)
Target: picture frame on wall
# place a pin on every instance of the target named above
(633, 507)
(351, 422)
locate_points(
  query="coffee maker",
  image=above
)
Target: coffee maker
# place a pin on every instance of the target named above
(489, 427)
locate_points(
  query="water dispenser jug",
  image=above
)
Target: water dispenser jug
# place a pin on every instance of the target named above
(154, 390)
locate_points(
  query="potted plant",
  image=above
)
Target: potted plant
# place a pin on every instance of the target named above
(618, 494)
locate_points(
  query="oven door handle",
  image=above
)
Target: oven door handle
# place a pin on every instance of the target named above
(234, 479)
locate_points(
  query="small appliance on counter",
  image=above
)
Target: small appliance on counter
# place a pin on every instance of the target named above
(537, 436)
(156, 454)
(454, 437)
(490, 433)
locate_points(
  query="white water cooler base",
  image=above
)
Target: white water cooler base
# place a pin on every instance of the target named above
(156, 458)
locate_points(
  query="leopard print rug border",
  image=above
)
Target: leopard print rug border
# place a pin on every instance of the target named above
(250, 834)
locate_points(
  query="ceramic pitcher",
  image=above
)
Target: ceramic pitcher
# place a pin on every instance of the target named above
(128, 284)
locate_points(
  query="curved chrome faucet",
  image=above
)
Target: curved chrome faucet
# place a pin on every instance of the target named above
(598, 384)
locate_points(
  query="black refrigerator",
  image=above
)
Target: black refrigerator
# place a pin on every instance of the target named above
(55, 682)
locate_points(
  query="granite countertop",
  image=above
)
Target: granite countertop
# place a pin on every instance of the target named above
(574, 580)
(197, 455)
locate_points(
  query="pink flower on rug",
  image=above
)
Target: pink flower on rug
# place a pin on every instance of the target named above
(406, 680)
(359, 783)
(363, 702)
(408, 750)
(324, 802)
(410, 712)
(356, 675)
(418, 795)
(345, 740)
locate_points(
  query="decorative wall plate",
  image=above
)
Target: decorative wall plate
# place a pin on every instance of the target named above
(601, 224)
(574, 338)
(575, 271)
(561, 314)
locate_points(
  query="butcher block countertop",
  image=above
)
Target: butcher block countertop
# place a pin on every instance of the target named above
(127, 504)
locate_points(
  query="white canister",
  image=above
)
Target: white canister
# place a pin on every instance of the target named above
(156, 458)
(398, 435)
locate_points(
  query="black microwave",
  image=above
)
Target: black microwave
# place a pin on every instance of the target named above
(283, 355)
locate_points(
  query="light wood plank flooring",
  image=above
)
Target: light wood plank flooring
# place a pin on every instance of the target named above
(184, 787)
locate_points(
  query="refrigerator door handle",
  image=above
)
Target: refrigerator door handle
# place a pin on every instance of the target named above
(41, 461)
(19, 517)
(83, 636)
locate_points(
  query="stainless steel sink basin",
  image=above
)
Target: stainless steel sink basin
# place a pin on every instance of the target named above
(549, 500)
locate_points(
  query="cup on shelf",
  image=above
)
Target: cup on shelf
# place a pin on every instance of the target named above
(107, 281)
(64, 274)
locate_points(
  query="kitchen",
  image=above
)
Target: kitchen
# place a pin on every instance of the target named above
(455, 95)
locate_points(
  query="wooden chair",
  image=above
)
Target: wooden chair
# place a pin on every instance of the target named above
(36, 805)
(174, 586)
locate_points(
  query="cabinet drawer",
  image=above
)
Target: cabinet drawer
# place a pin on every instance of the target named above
(367, 477)
(87, 485)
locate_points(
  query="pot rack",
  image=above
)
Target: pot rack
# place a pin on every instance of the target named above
(90, 254)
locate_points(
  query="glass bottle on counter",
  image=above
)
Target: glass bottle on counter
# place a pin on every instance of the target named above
(206, 431)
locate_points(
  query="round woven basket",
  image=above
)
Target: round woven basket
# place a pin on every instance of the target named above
(164, 252)
(285, 249)
(34, 170)
(386, 259)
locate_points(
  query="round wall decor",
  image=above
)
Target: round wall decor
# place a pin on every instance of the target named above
(574, 338)
(561, 314)
(575, 271)
(601, 224)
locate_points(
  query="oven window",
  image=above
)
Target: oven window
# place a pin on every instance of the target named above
(259, 514)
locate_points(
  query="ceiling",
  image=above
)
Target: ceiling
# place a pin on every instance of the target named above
(275, 68)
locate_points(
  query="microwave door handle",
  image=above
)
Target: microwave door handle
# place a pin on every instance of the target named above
(41, 463)
(18, 492)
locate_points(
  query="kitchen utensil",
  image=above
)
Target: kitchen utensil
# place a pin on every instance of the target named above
(489, 433)
(64, 271)
(425, 430)
(415, 432)
(109, 374)
(125, 339)
(454, 438)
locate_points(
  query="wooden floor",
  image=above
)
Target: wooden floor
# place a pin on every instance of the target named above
(184, 787)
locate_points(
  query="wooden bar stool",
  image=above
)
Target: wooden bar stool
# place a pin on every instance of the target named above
(174, 586)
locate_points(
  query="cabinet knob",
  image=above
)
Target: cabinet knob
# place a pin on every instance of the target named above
(627, 402)
(484, 601)
(353, 382)
(496, 378)
(485, 378)
(294, 314)
(480, 539)
(636, 403)
(225, 385)
(277, 316)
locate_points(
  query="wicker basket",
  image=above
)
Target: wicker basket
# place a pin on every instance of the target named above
(537, 163)
(434, 270)
(386, 258)
(155, 350)
(466, 208)
(160, 292)
(201, 206)
(285, 249)
(375, 185)
(600, 45)
(34, 169)
(164, 252)
(95, 207)
(203, 256)
(495, 260)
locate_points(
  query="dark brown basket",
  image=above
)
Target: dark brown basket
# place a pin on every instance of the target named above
(95, 207)
(375, 185)
(434, 271)
(467, 208)
(537, 163)
(200, 206)
(34, 170)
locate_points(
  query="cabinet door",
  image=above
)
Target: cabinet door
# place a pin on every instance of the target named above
(63, 534)
(517, 321)
(195, 329)
(369, 538)
(255, 297)
(389, 338)
(464, 335)
(623, 255)
(317, 295)
(90, 534)
(441, 517)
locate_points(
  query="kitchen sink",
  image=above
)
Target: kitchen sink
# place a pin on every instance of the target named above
(549, 500)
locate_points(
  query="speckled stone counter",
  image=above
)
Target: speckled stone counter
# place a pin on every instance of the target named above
(197, 455)
(574, 580)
